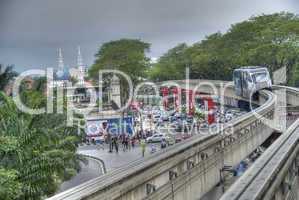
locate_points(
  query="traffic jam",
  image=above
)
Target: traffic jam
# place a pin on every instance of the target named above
(173, 122)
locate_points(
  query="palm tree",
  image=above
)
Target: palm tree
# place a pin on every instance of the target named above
(6, 75)
(37, 152)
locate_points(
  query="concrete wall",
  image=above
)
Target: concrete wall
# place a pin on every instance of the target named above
(274, 176)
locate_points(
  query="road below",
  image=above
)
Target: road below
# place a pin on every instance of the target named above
(115, 160)
(89, 171)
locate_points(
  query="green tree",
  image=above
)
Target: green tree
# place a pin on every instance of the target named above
(198, 115)
(37, 152)
(6, 75)
(74, 80)
(126, 55)
(171, 66)
(10, 188)
(265, 40)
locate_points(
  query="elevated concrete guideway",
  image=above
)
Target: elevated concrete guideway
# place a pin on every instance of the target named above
(275, 174)
(190, 169)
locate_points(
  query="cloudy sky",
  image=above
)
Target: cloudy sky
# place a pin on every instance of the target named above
(32, 30)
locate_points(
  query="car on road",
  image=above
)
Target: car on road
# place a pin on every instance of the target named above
(189, 119)
(186, 136)
(181, 116)
(157, 137)
(165, 117)
(170, 139)
(204, 125)
(156, 118)
(172, 119)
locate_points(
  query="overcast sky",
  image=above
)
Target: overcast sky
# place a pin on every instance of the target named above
(32, 30)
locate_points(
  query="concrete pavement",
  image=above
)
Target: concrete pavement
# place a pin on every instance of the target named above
(115, 160)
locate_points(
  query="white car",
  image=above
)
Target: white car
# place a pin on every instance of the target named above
(158, 137)
(229, 115)
(156, 118)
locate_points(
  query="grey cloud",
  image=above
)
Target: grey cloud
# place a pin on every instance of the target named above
(32, 30)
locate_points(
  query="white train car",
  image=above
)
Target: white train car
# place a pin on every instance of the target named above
(249, 80)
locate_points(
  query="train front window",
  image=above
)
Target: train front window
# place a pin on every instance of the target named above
(248, 78)
(260, 77)
(237, 79)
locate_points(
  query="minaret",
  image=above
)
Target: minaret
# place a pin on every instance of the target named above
(60, 70)
(60, 60)
(81, 71)
(79, 58)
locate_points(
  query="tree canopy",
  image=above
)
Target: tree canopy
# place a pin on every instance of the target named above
(171, 65)
(6, 75)
(37, 152)
(266, 40)
(126, 55)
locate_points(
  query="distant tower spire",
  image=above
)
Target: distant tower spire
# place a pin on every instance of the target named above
(60, 60)
(80, 67)
(79, 58)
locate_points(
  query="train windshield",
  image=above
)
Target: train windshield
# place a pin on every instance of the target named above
(260, 77)
(237, 78)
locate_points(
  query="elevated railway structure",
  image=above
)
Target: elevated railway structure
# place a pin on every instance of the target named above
(275, 174)
(190, 169)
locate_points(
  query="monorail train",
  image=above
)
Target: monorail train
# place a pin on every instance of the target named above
(249, 80)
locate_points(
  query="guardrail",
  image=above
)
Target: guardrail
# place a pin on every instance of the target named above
(101, 162)
(264, 178)
(161, 162)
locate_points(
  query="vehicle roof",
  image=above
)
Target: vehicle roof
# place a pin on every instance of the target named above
(251, 68)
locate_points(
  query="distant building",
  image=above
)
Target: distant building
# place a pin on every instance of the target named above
(80, 88)
(79, 73)
(63, 75)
